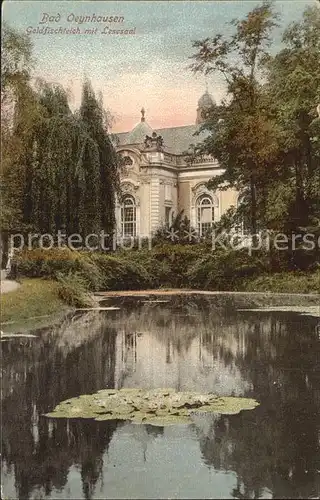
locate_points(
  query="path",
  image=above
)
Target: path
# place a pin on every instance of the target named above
(7, 285)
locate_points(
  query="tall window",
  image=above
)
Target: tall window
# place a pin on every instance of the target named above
(128, 217)
(205, 214)
(167, 192)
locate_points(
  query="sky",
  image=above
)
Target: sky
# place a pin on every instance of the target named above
(146, 69)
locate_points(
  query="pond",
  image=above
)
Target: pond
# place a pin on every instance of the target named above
(186, 343)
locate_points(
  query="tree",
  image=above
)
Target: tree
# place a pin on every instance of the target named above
(60, 169)
(179, 231)
(294, 83)
(50, 188)
(72, 167)
(16, 62)
(244, 135)
(18, 111)
(95, 123)
(15, 89)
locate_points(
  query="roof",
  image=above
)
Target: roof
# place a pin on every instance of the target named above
(138, 134)
(176, 140)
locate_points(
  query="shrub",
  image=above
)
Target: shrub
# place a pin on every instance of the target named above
(180, 226)
(73, 290)
(158, 271)
(90, 272)
(166, 265)
(45, 263)
(176, 260)
(224, 270)
(288, 282)
(119, 273)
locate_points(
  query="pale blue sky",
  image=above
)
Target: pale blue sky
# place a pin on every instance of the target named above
(146, 69)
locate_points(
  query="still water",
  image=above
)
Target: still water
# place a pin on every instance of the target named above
(187, 343)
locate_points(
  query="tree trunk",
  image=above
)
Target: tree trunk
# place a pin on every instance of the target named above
(253, 196)
(4, 248)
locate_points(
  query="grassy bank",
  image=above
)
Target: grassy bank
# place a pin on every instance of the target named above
(35, 297)
(71, 277)
(285, 283)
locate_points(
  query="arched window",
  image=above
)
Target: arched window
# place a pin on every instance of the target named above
(128, 217)
(205, 214)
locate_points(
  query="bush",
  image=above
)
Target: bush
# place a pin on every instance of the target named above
(90, 272)
(289, 282)
(176, 260)
(224, 270)
(99, 271)
(73, 290)
(45, 263)
(180, 226)
(119, 273)
(158, 271)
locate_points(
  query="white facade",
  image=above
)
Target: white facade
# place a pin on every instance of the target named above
(158, 181)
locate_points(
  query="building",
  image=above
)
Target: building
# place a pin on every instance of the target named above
(158, 181)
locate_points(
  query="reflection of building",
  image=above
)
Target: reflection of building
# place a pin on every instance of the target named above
(158, 181)
(174, 355)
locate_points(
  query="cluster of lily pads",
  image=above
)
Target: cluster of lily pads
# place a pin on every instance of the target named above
(156, 407)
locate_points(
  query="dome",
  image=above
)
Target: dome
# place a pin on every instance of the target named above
(206, 101)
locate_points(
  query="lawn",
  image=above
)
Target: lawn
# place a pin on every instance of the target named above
(35, 297)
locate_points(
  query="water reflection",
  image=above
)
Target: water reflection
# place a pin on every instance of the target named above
(188, 344)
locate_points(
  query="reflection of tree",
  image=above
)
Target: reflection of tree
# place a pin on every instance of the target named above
(93, 440)
(142, 434)
(177, 329)
(39, 374)
(276, 356)
(267, 451)
(276, 446)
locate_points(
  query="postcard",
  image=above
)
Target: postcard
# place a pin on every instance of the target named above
(160, 249)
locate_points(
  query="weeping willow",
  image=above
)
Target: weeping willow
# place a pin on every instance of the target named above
(70, 167)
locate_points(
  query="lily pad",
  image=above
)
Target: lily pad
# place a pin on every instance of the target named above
(160, 407)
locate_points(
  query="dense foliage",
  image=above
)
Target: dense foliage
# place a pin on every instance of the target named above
(266, 133)
(169, 266)
(59, 167)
